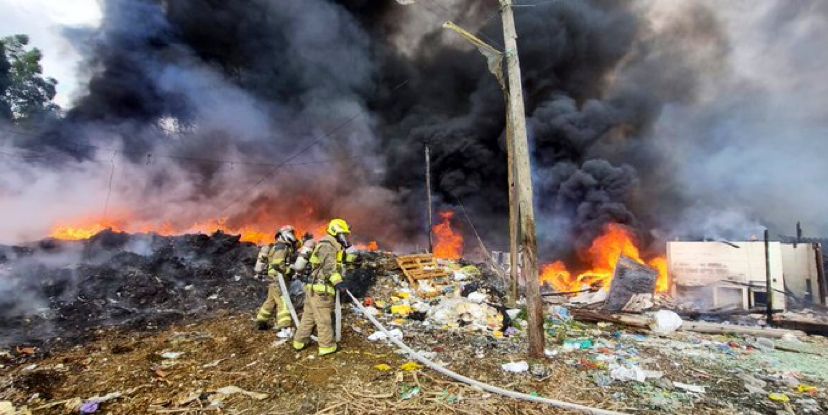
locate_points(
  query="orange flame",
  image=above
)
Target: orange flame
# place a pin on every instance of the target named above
(372, 246)
(603, 255)
(258, 234)
(448, 244)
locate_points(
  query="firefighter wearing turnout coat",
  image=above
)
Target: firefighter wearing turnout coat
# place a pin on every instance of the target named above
(279, 259)
(320, 288)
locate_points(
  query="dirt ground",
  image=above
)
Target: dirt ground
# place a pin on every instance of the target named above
(227, 351)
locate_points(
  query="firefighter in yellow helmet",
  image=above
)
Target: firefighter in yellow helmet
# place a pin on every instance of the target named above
(320, 290)
(279, 259)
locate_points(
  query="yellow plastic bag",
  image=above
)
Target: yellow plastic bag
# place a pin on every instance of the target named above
(411, 367)
(382, 367)
(401, 310)
(779, 397)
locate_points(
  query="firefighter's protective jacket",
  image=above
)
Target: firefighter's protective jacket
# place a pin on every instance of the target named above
(280, 259)
(327, 261)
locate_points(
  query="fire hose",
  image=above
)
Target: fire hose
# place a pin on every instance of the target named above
(474, 383)
(295, 317)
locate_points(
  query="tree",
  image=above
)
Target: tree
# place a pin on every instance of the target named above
(5, 109)
(25, 92)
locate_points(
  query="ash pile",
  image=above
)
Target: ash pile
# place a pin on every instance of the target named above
(64, 291)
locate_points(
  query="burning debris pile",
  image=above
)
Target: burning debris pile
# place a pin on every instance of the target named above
(63, 291)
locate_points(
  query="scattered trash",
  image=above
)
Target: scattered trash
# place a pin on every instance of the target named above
(601, 379)
(779, 397)
(513, 313)
(371, 311)
(515, 367)
(411, 367)
(90, 407)
(7, 408)
(806, 389)
(382, 367)
(171, 355)
(285, 333)
(477, 297)
(409, 393)
(401, 310)
(559, 314)
(539, 370)
(511, 331)
(213, 363)
(577, 344)
(764, 344)
(232, 390)
(26, 351)
(688, 387)
(379, 335)
(808, 406)
(624, 374)
(665, 322)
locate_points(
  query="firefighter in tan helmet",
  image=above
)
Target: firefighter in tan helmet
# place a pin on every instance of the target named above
(327, 260)
(279, 258)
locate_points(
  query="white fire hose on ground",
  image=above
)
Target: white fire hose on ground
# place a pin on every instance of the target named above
(475, 383)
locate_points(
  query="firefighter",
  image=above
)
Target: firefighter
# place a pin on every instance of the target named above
(279, 258)
(320, 288)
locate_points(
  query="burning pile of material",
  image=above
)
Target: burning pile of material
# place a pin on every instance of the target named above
(602, 256)
(67, 290)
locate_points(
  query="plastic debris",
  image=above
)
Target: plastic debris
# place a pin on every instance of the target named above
(401, 310)
(285, 333)
(806, 389)
(625, 374)
(511, 331)
(665, 322)
(577, 344)
(779, 397)
(171, 355)
(515, 367)
(90, 407)
(559, 314)
(539, 370)
(513, 313)
(477, 297)
(379, 335)
(688, 387)
(232, 390)
(764, 344)
(371, 311)
(410, 393)
(808, 406)
(382, 367)
(601, 380)
(411, 366)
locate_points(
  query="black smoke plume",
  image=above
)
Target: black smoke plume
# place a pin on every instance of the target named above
(357, 88)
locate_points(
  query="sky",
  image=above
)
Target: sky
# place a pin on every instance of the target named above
(44, 21)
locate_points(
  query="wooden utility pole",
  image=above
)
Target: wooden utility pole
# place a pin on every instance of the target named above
(768, 283)
(523, 179)
(512, 293)
(428, 192)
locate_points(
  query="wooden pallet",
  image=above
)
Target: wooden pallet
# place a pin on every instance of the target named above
(420, 267)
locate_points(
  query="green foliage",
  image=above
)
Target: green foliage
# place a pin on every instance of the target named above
(5, 110)
(23, 89)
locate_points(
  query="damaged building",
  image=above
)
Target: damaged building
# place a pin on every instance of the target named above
(724, 274)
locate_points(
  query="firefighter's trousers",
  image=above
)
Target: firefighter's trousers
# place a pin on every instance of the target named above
(274, 301)
(317, 313)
